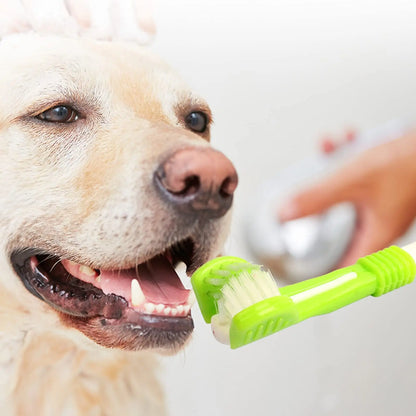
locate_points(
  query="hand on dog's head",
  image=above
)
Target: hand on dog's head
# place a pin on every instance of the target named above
(126, 20)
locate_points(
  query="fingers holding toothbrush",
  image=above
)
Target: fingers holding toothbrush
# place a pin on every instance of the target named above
(381, 183)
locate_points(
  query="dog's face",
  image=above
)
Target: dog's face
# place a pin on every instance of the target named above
(107, 182)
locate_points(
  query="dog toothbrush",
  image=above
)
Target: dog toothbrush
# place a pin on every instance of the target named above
(243, 302)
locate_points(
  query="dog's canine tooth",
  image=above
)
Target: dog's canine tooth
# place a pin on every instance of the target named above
(137, 296)
(186, 309)
(191, 298)
(180, 309)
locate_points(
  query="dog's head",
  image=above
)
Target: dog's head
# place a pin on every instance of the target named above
(107, 182)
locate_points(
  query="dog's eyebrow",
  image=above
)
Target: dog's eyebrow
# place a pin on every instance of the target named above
(52, 87)
(60, 96)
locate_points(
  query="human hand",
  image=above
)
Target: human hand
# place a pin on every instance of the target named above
(129, 20)
(381, 183)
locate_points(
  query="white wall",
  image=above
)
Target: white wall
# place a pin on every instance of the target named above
(277, 75)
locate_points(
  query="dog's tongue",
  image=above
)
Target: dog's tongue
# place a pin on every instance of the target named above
(157, 278)
(158, 281)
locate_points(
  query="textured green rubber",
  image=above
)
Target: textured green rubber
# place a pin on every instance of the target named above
(372, 275)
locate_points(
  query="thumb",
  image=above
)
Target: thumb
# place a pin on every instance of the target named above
(339, 187)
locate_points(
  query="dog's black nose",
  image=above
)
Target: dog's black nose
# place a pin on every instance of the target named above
(198, 181)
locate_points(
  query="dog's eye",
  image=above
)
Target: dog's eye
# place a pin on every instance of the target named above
(196, 121)
(59, 114)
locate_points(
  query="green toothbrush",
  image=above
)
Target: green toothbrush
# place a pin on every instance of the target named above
(243, 303)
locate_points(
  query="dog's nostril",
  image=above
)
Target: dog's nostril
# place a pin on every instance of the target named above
(228, 186)
(191, 186)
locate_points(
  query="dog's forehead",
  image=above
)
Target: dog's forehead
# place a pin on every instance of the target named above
(37, 67)
(38, 53)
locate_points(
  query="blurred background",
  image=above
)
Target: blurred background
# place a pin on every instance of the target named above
(278, 75)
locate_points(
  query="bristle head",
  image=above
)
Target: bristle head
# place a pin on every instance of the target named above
(209, 280)
(239, 293)
(245, 290)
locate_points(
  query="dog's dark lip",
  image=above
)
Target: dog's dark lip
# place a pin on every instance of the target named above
(41, 286)
(85, 302)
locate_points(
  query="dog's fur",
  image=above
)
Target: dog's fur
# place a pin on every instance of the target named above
(84, 190)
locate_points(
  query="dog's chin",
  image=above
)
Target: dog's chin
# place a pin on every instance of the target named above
(133, 308)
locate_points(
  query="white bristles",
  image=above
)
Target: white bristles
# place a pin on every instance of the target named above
(241, 292)
(247, 289)
(266, 283)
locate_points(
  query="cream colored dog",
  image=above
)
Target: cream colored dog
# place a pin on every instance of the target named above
(107, 182)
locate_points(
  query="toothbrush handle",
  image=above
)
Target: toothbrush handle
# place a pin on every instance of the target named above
(393, 267)
(375, 274)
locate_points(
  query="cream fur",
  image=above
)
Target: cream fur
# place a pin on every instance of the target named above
(85, 192)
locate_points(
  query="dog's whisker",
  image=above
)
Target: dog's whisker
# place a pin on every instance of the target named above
(46, 259)
(55, 264)
(136, 267)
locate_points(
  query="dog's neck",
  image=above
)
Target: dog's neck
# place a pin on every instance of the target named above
(43, 369)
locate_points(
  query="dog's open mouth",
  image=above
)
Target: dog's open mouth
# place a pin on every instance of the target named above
(148, 298)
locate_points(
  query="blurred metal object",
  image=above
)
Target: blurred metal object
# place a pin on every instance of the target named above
(303, 248)
(314, 245)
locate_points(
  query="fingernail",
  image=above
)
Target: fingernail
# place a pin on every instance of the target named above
(288, 211)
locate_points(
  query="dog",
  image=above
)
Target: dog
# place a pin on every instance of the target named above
(108, 181)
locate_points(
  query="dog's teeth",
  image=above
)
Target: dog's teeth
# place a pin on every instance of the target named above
(160, 309)
(191, 299)
(137, 296)
(149, 307)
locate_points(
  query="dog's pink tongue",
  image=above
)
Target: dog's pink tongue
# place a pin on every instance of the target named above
(157, 278)
(160, 283)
